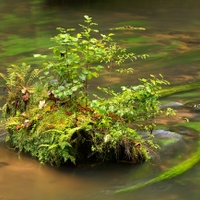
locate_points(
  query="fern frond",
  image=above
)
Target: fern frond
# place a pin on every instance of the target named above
(33, 75)
(11, 80)
(3, 76)
(21, 72)
(24, 73)
(18, 81)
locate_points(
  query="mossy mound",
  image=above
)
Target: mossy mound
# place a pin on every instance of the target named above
(55, 135)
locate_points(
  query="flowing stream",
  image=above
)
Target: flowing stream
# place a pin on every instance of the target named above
(172, 41)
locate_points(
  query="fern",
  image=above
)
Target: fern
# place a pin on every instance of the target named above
(19, 77)
(18, 82)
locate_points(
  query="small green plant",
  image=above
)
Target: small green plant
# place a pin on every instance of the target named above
(79, 58)
(60, 123)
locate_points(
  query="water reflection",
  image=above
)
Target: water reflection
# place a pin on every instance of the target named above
(25, 178)
(171, 38)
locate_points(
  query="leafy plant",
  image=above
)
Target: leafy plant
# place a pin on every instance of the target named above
(79, 58)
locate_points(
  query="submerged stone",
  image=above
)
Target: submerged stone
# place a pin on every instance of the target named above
(194, 105)
(185, 131)
(166, 134)
(171, 105)
(170, 144)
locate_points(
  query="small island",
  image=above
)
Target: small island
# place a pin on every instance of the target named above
(50, 115)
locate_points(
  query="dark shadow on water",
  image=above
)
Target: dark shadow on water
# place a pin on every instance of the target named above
(138, 5)
(3, 164)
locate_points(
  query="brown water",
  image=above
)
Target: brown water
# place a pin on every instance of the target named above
(172, 41)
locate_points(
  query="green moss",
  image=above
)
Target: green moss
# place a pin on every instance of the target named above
(55, 120)
(193, 125)
(179, 88)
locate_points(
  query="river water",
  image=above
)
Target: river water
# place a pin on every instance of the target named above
(172, 41)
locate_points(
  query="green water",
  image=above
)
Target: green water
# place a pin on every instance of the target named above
(171, 39)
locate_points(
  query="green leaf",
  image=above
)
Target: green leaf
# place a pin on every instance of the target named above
(46, 73)
(87, 17)
(102, 109)
(79, 35)
(95, 30)
(65, 144)
(111, 34)
(143, 80)
(53, 146)
(61, 88)
(85, 71)
(82, 77)
(153, 82)
(74, 88)
(39, 56)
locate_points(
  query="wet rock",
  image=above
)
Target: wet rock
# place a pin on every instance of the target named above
(171, 105)
(185, 131)
(163, 134)
(167, 140)
(194, 105)
(171, 143)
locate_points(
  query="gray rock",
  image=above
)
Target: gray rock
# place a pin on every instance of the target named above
(171, 105)
(162, 134)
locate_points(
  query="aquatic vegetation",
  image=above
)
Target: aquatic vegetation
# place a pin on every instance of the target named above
(179, 88)
(170, 173)
(52, 117)
(193, 125)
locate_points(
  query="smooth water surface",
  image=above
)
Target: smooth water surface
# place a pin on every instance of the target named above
(24, 178)
(172, 41)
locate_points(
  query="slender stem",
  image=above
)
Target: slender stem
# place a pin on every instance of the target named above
(86, 86)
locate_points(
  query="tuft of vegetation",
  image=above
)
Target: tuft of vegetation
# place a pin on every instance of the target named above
(19, 85)
(53, 118)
